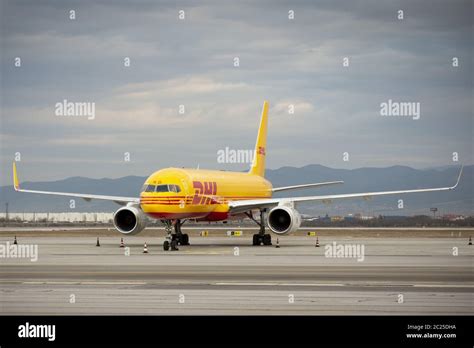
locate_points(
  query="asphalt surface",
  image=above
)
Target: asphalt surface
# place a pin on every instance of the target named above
(226, 275)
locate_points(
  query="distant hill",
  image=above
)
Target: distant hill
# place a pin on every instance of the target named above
(459, 201)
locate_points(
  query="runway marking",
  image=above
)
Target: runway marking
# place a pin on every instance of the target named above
(50, 283)
(81, 283)
(207, 253)
(113, 283)
(443, 286)
(281, 284)
(349, 284)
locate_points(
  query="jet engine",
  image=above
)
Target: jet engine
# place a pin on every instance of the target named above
(284, 219)
(130, 220)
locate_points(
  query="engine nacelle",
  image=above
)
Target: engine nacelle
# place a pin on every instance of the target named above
(283, 219)
(130, 220)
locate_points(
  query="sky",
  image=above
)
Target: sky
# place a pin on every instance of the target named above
(295, 63)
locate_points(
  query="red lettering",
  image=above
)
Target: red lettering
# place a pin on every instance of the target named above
(204, 192)
(198, 190)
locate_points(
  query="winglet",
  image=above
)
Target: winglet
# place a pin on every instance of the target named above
(459, 178)
(16, 183)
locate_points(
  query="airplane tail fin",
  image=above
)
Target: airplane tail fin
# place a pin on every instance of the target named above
(258, 164)
(16, 182)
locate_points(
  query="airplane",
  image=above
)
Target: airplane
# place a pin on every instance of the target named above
(176, 195)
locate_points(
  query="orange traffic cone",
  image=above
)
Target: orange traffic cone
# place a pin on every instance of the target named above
(122, 245)
(470, 241)
(97, 244)
(14, 241)
(145, 249)
(317, 242)
(277, 244)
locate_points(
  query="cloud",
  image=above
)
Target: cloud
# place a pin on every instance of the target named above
(190, 63)
(182, 87)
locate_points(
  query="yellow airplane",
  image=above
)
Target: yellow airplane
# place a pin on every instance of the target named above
(174, 195)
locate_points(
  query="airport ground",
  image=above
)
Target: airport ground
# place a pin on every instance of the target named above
(404, 271)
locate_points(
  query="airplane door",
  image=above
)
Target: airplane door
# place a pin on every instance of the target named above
(186, 189)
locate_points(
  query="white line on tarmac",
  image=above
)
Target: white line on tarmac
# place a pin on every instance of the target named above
(55, 283)
(443, 286)
(113, 283)
(83, 283)
(281, 284)
(349, 284)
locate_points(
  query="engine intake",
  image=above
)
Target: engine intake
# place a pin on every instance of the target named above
(282, 220)
(130, 220)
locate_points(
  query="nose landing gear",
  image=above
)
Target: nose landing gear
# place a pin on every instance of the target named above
(169, 242)
(167, 245)
(172, 240)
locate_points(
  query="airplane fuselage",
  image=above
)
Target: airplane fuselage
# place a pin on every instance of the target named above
(175, 193)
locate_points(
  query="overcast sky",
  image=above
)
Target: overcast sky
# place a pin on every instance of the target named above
(190, 62)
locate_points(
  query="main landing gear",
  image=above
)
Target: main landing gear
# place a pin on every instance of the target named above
(172, 240)
(261, 237)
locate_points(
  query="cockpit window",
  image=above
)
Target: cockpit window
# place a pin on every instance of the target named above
(174, 188)
(162, 188)
(150, 188)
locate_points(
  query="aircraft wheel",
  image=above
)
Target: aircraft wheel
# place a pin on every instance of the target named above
(174, 245)
(166, 245)
(185, 240)
(256, 239)
(267, 239)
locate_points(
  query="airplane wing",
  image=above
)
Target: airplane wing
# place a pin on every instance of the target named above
(236, 207)
(87, 197)
(296, 187)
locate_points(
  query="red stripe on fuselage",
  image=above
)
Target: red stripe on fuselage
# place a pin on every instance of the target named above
(205, 200)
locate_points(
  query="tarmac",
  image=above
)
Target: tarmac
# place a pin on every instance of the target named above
(415, 274)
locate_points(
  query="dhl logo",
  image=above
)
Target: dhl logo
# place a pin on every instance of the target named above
(261, 150)
(203, 192)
